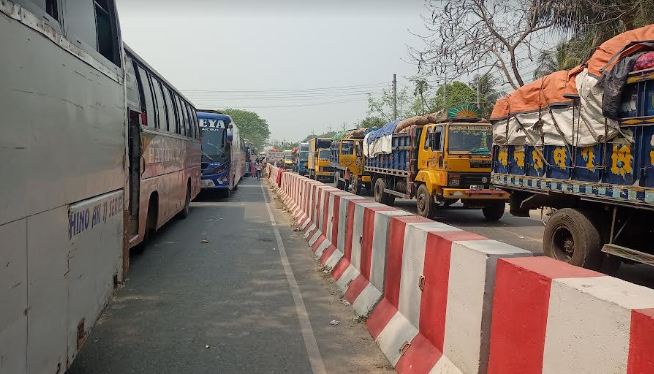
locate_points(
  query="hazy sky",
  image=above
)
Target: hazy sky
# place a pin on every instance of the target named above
(305, 66)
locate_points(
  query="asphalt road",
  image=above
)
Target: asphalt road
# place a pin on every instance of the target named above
(212, 294)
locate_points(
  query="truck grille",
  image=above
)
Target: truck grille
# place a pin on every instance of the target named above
(474, 179)
(327, 169)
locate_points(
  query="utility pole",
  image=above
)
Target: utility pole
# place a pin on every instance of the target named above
(394, 96)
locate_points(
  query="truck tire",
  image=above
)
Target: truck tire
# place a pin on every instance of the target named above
(494, 212)
(378, 191)
(380, 195)
(425, 204)
(571, 236)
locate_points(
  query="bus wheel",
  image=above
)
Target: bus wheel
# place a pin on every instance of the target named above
(425, 202)
(572, 237)
(494, 212)
(151, 220)
(187, 203)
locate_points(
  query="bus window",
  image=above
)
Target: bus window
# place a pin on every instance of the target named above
(196, 123)
(172, 123)
(148, 105)
(106, 30)
(93, 24)
(183, 116)
(40, 7)
(131, 85)
(191, 121)
(161, 105)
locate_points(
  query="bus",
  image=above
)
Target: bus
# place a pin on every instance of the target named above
(223, 151)
(76, 167)
(163, 148)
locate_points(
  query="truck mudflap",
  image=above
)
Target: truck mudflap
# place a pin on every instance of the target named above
(475, 194)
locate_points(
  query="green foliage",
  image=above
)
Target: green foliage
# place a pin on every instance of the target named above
(251, 126)
(452, 94)
(487, 85)
(382, 106)
(372, 121)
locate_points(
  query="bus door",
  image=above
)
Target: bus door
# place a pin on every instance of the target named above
(135, 116)
(135, 160)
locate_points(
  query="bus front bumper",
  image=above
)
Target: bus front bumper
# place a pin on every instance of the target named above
(475, 194)
(214, 181)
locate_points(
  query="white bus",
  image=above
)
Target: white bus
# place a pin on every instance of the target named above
(65, 174)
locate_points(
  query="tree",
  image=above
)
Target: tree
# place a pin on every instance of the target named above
(486, 85)
(382, 106)
(371, 122)
(451, 95)
(251, 126)
(466, 36)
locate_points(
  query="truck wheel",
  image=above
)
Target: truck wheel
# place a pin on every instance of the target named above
(572, 237)
(494, 212)
(425, 202)
(379, 190)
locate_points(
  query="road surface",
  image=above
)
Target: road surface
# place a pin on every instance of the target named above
(212, 294)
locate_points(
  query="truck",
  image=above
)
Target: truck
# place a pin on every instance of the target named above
(318, 162)
(288, 161)
(585, 155)
(437, 159)
(303, 159)
(348, 162)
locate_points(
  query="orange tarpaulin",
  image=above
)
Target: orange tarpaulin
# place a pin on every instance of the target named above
(553, 89)
(605, 52)
(542, 93)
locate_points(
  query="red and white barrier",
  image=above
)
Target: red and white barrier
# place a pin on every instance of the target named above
(442, 300)
(551, 317)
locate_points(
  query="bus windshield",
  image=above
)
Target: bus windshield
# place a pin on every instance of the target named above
(469, 139)
(212, 143)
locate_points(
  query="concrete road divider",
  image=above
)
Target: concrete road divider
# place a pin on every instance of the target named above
(441, 300)
(551, 317)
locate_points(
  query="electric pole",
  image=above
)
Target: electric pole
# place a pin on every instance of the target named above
(394, 96)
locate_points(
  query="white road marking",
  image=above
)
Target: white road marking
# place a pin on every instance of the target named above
(310, 342)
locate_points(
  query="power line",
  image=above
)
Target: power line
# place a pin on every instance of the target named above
(304, 90)
(286, 106)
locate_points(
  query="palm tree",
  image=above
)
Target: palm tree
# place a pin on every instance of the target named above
(486, 85)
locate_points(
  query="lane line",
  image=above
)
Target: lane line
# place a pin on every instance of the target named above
(310, 342)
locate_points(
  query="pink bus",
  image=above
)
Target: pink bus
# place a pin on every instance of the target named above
(163, 147)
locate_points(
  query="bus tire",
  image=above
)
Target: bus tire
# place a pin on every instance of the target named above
(571, 236)
(187, 202)
(151, 220)
(494, 211)
(425, 202)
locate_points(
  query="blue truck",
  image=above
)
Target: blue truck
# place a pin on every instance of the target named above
(303, 159)
(586, 153)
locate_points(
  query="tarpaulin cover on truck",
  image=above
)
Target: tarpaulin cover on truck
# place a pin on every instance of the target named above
(543, 112)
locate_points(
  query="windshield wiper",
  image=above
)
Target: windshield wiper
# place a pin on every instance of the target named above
(207, 156)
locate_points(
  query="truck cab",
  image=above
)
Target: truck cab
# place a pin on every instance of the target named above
(348, 161)
(319, 161)
(454, 163)
(288, 162)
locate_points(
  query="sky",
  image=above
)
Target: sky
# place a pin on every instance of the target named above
(305, 66)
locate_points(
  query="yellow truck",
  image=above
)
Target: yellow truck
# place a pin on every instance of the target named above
(348, 162)
(438, 163)
(319, 161)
